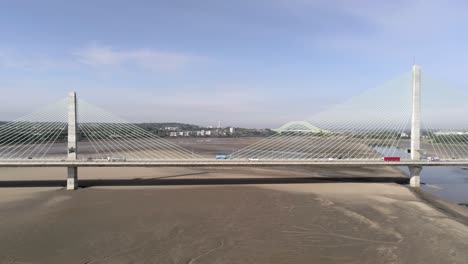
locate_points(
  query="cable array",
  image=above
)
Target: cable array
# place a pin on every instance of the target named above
(374, 125)
(37, 135)
(445, 127)
(370, 126)
(366, 127)
(105, 136)
(101, 136)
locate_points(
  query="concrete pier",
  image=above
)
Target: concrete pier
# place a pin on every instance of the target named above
(416, 126)
(72, 173)
(415, 172)
(72, 178)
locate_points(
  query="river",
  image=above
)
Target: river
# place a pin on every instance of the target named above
(450, 183)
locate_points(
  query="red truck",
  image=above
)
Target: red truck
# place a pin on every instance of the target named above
(391, 158)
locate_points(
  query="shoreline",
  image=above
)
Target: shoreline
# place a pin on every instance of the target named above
(458, 212)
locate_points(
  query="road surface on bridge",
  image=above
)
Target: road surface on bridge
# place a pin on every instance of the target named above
(222, 163)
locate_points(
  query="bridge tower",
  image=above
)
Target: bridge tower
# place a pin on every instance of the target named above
(72, 175)
(415, 171)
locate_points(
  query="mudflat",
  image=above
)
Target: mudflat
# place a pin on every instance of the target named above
(315, 222)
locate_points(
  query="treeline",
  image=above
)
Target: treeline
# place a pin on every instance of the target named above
(43, 132)
(31, 135)
(449, 139)
(162, 126)
(160, 130)
(253, 132)
(376, 135)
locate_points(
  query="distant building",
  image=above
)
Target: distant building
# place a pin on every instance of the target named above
(173, 134)
(171, 128)
(231, 130)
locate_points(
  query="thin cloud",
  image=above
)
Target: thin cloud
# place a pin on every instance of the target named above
(14, 60)
(409, 18)
(380, 25)
(148, 59)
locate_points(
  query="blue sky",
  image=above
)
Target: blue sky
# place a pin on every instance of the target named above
(254, 63)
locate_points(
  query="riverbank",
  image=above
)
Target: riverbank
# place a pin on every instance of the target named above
(456, 211)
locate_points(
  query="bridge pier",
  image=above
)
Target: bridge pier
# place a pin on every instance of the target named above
(72, 174)
(415, 172)
(72, 178)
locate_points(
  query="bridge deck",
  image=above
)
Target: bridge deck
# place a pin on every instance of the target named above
(222, 163)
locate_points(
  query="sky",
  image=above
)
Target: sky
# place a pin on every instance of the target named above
(250, 63)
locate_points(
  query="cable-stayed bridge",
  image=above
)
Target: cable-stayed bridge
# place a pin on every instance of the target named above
(396, 124)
